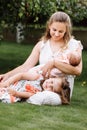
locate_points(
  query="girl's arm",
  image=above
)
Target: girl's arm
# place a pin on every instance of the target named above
(20, 94)
(11, 80)
(31, 75)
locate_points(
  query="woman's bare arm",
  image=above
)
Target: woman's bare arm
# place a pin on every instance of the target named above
(69, 69)
(65, 68)
(31, 61)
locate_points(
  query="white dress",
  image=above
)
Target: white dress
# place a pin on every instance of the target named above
(46, 54)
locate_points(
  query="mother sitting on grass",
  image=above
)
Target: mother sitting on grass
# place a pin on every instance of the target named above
(57, 39)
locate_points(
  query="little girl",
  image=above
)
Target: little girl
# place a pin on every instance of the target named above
(58, 85)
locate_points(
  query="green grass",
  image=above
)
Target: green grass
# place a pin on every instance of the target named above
(24, 116)
(12, 55)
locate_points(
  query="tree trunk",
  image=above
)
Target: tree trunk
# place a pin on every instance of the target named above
(19, 33)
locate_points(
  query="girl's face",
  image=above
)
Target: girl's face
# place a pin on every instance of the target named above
(57, 31)
(52, 84)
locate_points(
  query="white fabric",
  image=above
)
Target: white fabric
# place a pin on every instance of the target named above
(46, 54)
(45, 98)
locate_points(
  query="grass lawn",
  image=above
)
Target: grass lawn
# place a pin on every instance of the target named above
(24, 116)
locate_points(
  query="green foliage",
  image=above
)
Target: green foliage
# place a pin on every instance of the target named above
(77, 9)
(9, 11)
(40, 10)
(25, 11)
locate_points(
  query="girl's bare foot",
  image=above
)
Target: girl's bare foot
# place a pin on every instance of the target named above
(12, 91)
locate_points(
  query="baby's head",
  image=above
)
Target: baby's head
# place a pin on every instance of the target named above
(74, 59)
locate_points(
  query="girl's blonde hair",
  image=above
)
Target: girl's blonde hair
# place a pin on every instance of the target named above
(59, 17)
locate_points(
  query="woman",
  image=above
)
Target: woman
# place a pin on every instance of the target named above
(56, 39)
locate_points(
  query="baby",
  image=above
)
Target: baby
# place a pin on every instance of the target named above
(67, 57)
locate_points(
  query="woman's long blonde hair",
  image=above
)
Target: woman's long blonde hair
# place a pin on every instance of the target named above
(59, 17)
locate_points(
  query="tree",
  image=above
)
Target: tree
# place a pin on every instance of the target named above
(26, 12)
(77, 9)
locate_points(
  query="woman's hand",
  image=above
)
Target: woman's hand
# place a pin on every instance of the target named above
(3, 77)
(47, 68)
